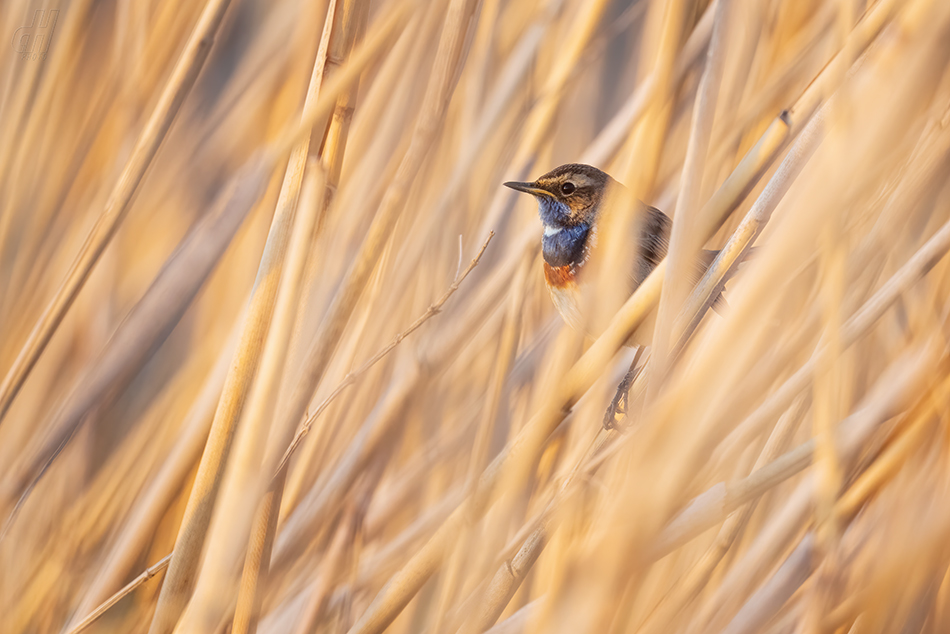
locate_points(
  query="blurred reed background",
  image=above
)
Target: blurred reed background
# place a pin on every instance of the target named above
(214, 215)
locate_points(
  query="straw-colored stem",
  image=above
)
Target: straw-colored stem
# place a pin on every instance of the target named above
(244, 482)
(155, 500)
(434, 309)
(176, 89)
(685, 242)
(332, 565)
(789, 122)
(690, 587)
(347, 21)
(859, 323)
(385, 415)
(149, 322)
(506, 582)
(895, 391)
(149, 572)
(180, 579)
(351, 289)
(609, 140)
(349, 25)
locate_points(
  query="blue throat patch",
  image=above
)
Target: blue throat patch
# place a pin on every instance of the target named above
(553, 212)
(566, 247)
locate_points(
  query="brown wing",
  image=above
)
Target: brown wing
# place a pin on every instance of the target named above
(654, 244)
(654, 241)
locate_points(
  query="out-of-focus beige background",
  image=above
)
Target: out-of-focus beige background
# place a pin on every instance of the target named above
(254, 380)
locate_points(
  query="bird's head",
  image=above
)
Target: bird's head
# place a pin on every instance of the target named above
(569, 199)
(568, 195)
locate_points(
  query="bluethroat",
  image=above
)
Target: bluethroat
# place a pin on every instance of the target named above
(570, 199)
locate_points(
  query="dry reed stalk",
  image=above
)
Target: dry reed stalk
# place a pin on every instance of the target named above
(317, 604)
(695, 579)
(345, 300)
(640, 161)
(716, 504)
(830, 401)
(877, 138)
(148, 324)
(609, 139)
(95, 515)
(761, 605)
(244, 481)
(155, 500)
(189, 266)
(20, 132)
(343, 79)
(891, 396)
(506, 580)
(410, 480)
(380, 99)
(790, 121)
(355, 457)
(242, 486)
(857, 325)
(685, 243)
(348, 23)
(434, 309)
(518, 621)
(176, 89)
(174, 585)
(434, 104)
(147, 574)
(180, 578)
(408, 581)
(748, 230)
(461, 560)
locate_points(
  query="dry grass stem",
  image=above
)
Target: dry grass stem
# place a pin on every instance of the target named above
(351, 377)
(176, 89)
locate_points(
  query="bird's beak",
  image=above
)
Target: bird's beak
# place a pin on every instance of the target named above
(528, 188)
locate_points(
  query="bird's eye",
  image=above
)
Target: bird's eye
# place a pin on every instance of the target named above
(567, 188)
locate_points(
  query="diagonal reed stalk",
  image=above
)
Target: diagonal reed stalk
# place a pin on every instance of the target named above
(180, 578)
(176, 89)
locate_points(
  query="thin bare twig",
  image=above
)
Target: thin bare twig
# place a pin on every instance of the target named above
(434, 309)
(351, 377)
(147, 574)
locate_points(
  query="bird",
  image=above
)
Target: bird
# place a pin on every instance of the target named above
(570, 203)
